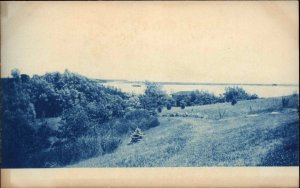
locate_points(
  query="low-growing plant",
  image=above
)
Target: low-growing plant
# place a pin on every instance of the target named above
(221, 113)
(250, 110)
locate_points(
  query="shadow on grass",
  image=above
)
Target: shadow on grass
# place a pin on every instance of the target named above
(286, 154)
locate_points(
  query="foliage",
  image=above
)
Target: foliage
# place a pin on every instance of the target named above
(234, 94)
(197, 97)
(15, 73)
(154, 97)
(233, 102)
(110, 142)
(142, 119)
(133, 103)
(169, 106)
(193, 98)
(182, 105)
(90, 113)
(75, 122)
(18, 116)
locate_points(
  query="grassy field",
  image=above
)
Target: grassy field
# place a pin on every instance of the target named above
(262, 132)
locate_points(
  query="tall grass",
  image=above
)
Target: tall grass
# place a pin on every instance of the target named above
(221, 113)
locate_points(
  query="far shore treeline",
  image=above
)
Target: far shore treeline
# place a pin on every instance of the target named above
(58, 119)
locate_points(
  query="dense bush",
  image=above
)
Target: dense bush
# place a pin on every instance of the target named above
(182, 106)
(142, 119)
(88, 111)
(192, 98)
(54, 92)
(75, 122)
(203, 98)
(234, 94)
(18, 117)
(110, 142)
(195, 98)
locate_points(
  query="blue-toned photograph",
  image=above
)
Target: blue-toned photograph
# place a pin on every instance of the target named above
(101, 85)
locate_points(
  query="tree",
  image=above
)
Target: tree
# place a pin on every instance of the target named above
(154, 97)
(234, 94)
(98, 112)
(15, 73)
(75, 123)
(133, 103)
(18, 117)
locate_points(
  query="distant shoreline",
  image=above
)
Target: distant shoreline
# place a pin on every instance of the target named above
(193, 83)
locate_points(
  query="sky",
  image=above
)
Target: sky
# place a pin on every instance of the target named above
(215, 42)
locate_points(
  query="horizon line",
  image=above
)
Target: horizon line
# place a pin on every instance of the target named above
(165, 82)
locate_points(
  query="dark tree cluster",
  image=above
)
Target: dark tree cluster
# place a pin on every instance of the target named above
(195, 98)
(93, 117)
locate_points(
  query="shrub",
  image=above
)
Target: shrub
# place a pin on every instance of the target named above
(75, 122)
(252, 97)
(67, 152)
(233, 102)
(159, 109)
(98, 112)
(15, 73)
(233, 94)
(153, 122)
(110, 142)
(121, 127)
(221, 113)
(137, 114)
(196, 98)
(182, 105)
(169, 106)
(142, 119)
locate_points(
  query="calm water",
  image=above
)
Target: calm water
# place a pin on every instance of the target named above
(261, 91)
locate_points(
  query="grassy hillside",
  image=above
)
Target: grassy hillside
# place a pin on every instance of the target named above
(262, 132)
